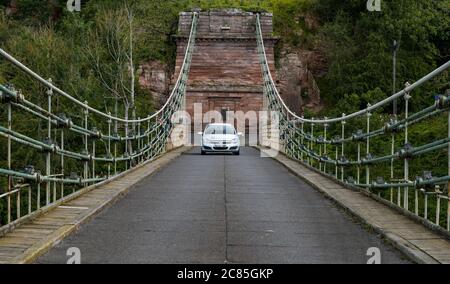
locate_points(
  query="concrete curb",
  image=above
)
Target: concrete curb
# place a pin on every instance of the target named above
(41, 247)
(411, 251)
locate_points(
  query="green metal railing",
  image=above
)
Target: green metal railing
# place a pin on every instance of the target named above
(108, 146)
(345, 155)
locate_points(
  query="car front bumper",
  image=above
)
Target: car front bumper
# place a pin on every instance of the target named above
(209, 147)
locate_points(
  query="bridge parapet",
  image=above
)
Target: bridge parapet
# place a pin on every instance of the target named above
(343, 147)
(82, 147)
(225, 23)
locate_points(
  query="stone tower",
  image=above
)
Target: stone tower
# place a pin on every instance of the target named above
(225, 72)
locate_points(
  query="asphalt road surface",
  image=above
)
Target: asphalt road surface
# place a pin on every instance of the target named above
(223, 209)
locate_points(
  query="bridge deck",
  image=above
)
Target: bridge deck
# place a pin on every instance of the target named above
(216, 209)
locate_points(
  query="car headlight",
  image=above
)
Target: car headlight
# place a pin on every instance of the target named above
(235, 140)
(206, 140)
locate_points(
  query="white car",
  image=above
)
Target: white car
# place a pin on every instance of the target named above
(220, 137)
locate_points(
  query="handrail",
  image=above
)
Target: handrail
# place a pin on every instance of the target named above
(52, 87)
(313, 148)
(115, 153)
(406, 90)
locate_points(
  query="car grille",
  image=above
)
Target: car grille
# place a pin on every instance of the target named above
(221, 142)
(220, 148)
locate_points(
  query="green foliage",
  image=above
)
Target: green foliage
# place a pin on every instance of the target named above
(154, 21)
(373, 96)
(31, 12)
(359, 45)
(56, 50)
(348, 104)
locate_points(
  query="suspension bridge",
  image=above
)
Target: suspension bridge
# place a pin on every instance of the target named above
(127, 190)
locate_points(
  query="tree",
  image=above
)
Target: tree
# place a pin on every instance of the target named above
(359, 45)
(110, 49)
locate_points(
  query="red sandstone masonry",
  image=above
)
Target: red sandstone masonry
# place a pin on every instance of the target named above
(225, 70)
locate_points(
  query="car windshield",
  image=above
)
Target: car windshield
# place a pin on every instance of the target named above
(219, 129)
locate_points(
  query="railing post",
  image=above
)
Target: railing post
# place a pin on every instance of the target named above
(325, 126)
(320, 156)
(49, 135)
(311, 145)
(127, 161)
(157, 135)
(438, 204)
(54, 191)
(19, 189)
(342, 144)
(368, 145)
(9, 164)
(336, 159)
(86, 113)
(149, 153)
(298, 139)
(448, 170)
(406, 163)
(116, 131)
(29, 199)
(133, 125)
(62, 161)
(109, 144)
(93, 157)
(302, 139)
(391, 195)
(358, 167)
(139, 140)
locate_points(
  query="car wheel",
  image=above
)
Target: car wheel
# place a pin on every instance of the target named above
(203, 152)
(236, 153)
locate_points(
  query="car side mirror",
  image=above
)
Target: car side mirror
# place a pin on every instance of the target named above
(200, 133)
(240, 134)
